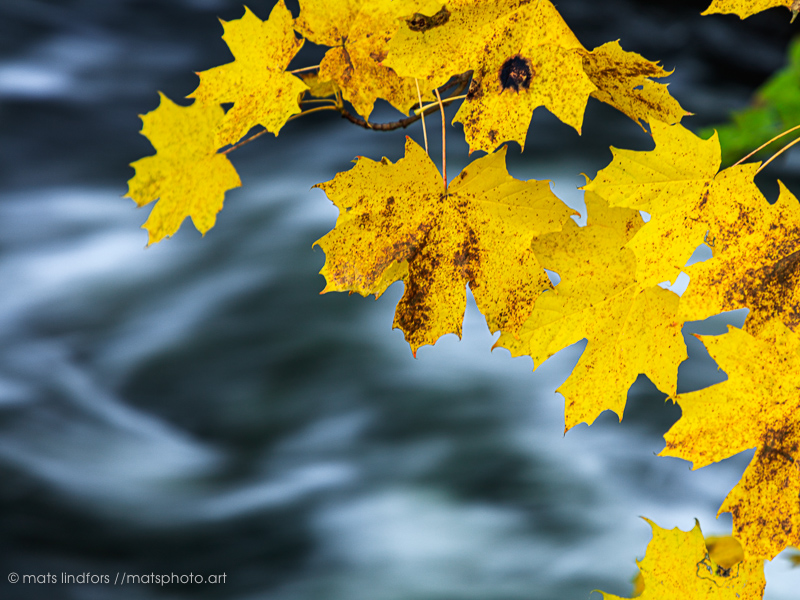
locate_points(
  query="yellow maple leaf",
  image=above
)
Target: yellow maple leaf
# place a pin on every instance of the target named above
(629, 331)
(186, 174)
(756, 407)
(261, 91)
(724, 550)
(746, 8)
(623, 81)
(523, 56)
(679, 566)
(396, 222)
(531, 59)
(443, 39)
(675, 184)
(756, 263)
(358, 33)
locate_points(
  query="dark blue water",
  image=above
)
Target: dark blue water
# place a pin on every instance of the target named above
(197, 407)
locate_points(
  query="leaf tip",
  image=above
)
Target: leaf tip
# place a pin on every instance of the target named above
(152, 238)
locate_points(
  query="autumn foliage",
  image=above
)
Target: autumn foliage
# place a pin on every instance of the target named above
(497, 235)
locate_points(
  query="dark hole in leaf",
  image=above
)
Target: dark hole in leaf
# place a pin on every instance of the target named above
(515, 73)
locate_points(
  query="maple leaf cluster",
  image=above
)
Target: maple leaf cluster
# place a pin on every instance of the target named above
(499, 236)
(755, 265)
(390, 50)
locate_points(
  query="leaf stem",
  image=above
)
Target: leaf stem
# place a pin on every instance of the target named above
(435, 104)
(311, 110)
(444, 142)
(304, 69)
(777, 154)
(765, 144)
(330, 101)
(422, 114)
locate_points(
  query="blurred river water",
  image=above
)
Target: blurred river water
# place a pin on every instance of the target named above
(197, 406)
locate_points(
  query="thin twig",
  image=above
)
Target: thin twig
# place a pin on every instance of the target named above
(444, 143)
(311, 110)
(320, 101)
(422, 113)
(777, 154)
(304, 69)
(245, 141)
(436, 104)
(262, 132)
(764, 145)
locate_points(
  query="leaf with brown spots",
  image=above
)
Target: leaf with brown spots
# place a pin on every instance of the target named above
(623, 80)
(358, 33)
(531, 59)
(396, 223)
(756, 262)
(676, 184)
(680, 565)
(431, 44)
(523, 55)
(746, 8)
(256, 82)
(630, 331)
(758, 406)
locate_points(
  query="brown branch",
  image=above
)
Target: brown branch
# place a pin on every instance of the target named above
(461, 81)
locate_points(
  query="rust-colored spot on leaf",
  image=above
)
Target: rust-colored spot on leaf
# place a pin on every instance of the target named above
(419, 22)
(379, 56)
(389, 208)
(475, 90)
(467, 258)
